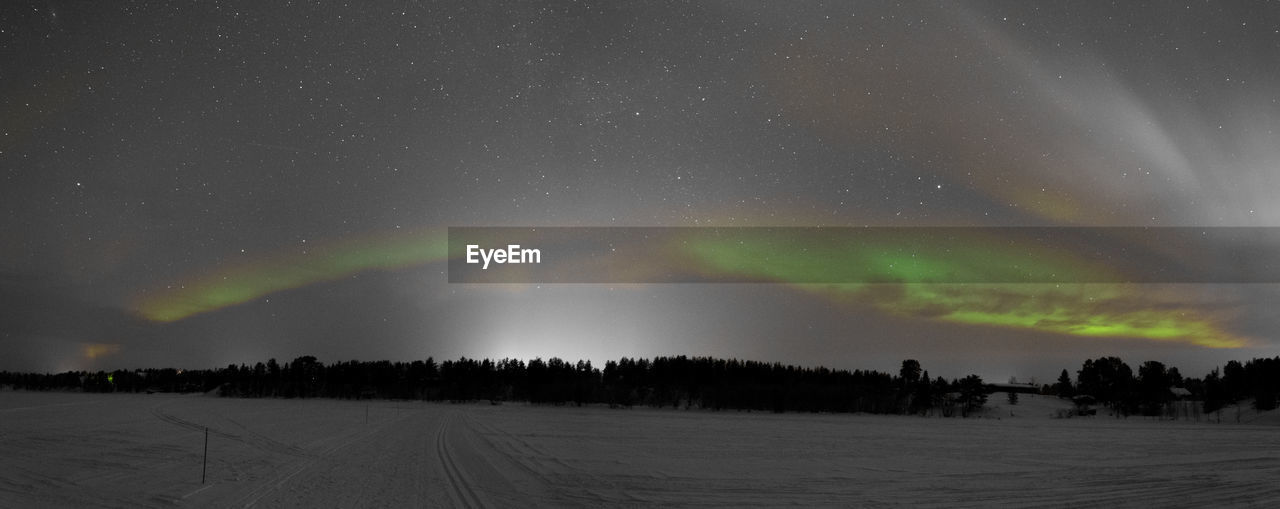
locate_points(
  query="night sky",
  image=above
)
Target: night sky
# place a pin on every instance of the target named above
(193, 184)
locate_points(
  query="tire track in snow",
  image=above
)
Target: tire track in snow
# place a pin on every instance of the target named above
(253, 497)
(268, 442)
(178, 421)
(459, 487)
(519, 452)
(1119, 487)
(258, 441)
(566, 481)
(255, 440)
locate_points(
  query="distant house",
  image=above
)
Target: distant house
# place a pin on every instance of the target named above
(1180, 393)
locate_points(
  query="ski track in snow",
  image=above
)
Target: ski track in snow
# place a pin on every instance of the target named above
(83, 450)
(459, 485)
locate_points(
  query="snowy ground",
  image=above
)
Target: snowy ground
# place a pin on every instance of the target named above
(72, 450)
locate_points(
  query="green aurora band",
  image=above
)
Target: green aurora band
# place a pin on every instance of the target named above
(893, 256)
(919, 281)
(902, 275)
(253, 279)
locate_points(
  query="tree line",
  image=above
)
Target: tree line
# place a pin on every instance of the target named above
(681, 382)
(1110, 382)
(661, 382)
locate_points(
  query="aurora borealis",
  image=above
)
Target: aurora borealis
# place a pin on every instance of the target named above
(1017, 278)
(924, 286)
(207, 183)
(250, 280)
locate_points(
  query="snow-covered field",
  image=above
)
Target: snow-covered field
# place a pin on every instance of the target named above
(75, 450)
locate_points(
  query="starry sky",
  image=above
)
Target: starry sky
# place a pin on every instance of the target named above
(194, 184)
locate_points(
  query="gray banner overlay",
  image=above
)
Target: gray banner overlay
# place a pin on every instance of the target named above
(853, 255)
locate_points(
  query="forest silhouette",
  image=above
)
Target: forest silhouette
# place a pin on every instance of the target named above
(687, 382)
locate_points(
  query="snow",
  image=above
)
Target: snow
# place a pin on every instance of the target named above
(81, 450)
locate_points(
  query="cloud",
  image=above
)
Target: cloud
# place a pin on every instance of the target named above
(47, 323)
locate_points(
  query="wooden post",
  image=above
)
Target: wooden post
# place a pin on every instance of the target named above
(205, 468)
